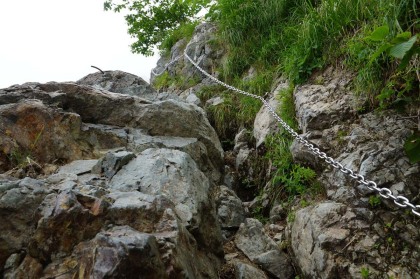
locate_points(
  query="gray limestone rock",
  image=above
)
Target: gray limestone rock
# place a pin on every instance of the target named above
(242, 157)
(139, 141)
(119, 82)
(241, 140)
(265, 124)
(112, 163)
(230, 210)
(370, 144)
(118, 252)
(78, 167)
(380, 158)
(261, 249)
(167, 172)
(320, 106)
(214, 101)
(19, 200)
(193, 99)
(57, 226)
(317, 233)
(63, 135)
(201, 49)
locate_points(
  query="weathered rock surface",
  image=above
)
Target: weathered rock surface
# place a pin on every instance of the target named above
(67, 121)
(119, 82)
(356, 229)
(262, 250)
(19, 200)
(320, 106)
(317, 236)
(202, 49)
(136, 197)
(265, 124)
(230, 210)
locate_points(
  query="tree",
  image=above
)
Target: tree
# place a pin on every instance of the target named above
(150, 21)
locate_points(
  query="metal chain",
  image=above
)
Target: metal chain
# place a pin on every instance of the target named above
(385, 193)
(167, 65)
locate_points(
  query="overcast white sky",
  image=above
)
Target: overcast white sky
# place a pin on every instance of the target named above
(58, 40)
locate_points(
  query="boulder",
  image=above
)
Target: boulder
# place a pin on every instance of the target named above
(166, 228)
(316, 234)
(171, 173)
(119, 82)
(134, 193)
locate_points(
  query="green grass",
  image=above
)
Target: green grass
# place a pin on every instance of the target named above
(290, 179)
(235, 112)
(165, 81)
(298, 37)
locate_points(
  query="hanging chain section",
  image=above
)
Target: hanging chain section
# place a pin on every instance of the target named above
(167, 65)
(385, 193)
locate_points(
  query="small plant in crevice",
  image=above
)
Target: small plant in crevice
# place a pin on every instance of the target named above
(412, 147)
(163, 81)
(364, 272)
(374, 201)
(23, 158)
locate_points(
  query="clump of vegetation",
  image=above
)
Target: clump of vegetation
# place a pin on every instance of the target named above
(20, 158)
(185, 31)
(165, 80)
(374, 201)
(289, 179)
(364, 272)
(299, 37)
(235, 112)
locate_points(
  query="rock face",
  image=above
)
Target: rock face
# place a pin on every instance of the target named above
(66, 121)
(136, 198)
(356, 229)
(203, 50)
(262, 250)
(264, 123)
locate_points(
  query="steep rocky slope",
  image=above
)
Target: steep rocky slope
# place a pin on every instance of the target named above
(351, 232)
(107, 178)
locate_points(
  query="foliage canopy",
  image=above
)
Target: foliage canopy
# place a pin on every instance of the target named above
(150, 21)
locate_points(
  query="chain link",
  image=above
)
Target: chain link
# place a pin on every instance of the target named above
(385, 193)
(166, 66)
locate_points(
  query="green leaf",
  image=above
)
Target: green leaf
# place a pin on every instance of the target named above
(398, 51)
(412, 147)
(402, 37)
(379, 34)
(404, 62)
(379, 51)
